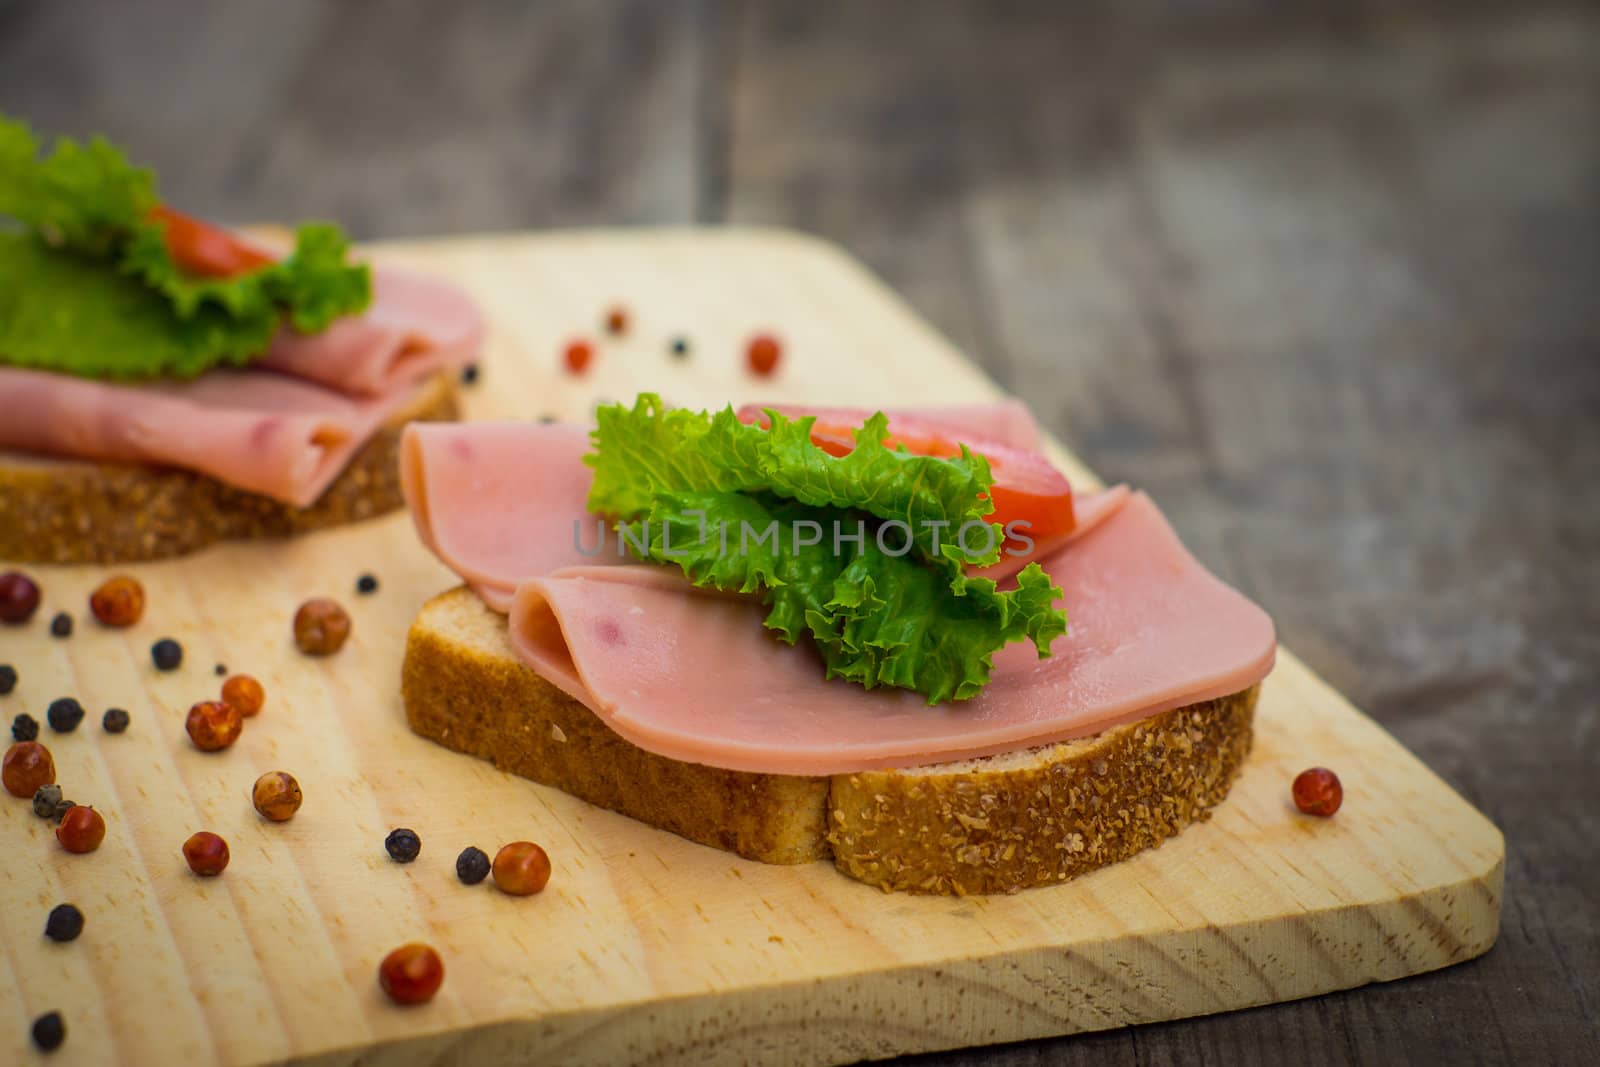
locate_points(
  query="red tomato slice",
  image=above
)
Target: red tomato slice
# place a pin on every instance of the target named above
(206, 250)
(1027, 489)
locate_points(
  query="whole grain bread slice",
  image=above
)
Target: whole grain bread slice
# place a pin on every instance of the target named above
(992, 825)
(66, 511)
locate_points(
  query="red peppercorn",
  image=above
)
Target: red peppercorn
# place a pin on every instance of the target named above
(19, 597)
(411, 974)
(617, 321)
(763, 354)
(119, 601)
(245, 694)
(206, 854)
(521, 868)
(321, 627)
(26, 767)
(81, 830)
(277, 796)
(577, 355)
(1318, 792)
(213, 725)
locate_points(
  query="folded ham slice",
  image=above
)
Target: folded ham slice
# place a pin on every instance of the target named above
(413, 327)
(696, 677)
(286, 426)
(255, 430)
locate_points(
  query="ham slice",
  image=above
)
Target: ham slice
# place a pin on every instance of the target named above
(413, 327)
(499, 502)
(286, 426)
(695, 676)
(256, 430)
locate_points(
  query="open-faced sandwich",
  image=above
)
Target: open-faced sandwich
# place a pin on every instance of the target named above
(166, 383)
(897, 640)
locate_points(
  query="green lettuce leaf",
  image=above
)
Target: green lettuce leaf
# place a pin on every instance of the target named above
(733, 506)
(103, 324)
(650, 448)
(84, 196)
(91, 288)
(876, 619)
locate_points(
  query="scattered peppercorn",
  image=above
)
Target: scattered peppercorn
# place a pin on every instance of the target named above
(547, 420)
(367, 583)
(469, 374)
(206, 854)
(19, 598)
(119, 601)
(64, 715)
(277, 796)
(213, 725)
(680, 348)
(8, 678)
(472, 866)
(521, 868)
(1317, 792)
(166, 654)
(49, 1031)
(61, 625)
(24, 728)
(115, 720)
(763, 354)
(245, 694)
(411, 974)
(220, 669)
(403, 845)
(577, 356)
(64, 924)
(617, 321)
(81, 830)
(46, 799)
(27, 766)
(320, 627)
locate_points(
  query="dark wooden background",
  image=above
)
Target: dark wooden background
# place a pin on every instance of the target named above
(1325, 278)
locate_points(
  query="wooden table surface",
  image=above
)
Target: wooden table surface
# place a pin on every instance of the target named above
(1327, 282)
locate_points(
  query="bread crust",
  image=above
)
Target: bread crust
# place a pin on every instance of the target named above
(65, 511)
(1051, 813)
(993, 825)
(464, 688)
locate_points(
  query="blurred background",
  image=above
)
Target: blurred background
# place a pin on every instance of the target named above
(1324, 277)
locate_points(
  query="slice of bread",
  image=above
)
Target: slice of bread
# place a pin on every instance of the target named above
(66, 511)
(991, 825)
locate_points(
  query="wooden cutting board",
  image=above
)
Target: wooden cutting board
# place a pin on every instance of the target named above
(644, 948)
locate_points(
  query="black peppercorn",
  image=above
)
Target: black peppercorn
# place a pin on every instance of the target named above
(65, 923)
(65, 714)
(546, 420)
(680, 347)
(220, 670)
(61, 625)
(403, 845)
(472, 866)
(367, 583)
(469, 374)
(49, 1031)
(8, 678)
(115, 720)
(167, 654)
(24, 728)
(46, 799)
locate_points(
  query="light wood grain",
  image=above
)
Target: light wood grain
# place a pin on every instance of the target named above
(645, 947)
